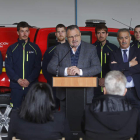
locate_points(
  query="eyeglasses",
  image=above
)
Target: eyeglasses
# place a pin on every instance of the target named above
(71, 37)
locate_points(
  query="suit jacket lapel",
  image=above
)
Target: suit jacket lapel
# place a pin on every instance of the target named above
(120, 55)
(68, 58)
(131, 52)
(82, 54)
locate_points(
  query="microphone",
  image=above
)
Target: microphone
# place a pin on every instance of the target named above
(61, 61)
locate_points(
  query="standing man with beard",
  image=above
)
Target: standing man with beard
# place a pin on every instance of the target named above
(136, 42)
(104, 47)
(82, 60)
(23, 64)
(61, 38)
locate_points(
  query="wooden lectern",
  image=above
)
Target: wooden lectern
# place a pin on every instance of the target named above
(75, 98)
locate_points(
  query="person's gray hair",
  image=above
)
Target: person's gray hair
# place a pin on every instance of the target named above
(123, 30)
(115, 83)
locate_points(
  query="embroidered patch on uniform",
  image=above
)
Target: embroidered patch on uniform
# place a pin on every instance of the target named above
(31, 52)
(6, 56)
(107, 53)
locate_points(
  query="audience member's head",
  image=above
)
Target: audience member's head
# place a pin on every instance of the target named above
(115, 83)
(38, 105)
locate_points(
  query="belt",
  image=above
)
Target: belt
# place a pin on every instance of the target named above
(131, 88)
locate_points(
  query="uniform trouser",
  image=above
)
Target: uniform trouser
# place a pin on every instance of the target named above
(133, 99)
(17, 96)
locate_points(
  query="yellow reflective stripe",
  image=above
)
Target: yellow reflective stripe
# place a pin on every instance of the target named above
(33, 48)
(138, 45)
(101, 59)
(52, 49)
(27, 56)
(11, 104)
(15, 48)
(132, 45)
(109, 48)
(105, 58)
(23, 62)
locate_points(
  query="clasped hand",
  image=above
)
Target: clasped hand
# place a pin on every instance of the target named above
(73, 71)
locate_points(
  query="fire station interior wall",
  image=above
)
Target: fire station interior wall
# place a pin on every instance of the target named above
(48, 13)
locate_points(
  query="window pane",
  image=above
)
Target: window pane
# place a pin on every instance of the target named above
(86, 36)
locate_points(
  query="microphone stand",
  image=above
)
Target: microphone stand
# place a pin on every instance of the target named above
(57, 68)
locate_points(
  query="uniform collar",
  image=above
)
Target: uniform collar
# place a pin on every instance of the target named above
(99, 43)
(23, 41)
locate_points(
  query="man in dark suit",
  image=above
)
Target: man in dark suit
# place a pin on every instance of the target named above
(127, 60)
(82, 60)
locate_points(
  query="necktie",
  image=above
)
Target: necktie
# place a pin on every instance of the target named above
(125, 59)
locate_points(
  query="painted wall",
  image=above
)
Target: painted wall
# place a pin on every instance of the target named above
(48, 13)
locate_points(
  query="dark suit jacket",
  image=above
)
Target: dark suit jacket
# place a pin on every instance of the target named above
(88, 61)
(124, 67)
(52, 130)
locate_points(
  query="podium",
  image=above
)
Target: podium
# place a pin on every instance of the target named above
(75, 99)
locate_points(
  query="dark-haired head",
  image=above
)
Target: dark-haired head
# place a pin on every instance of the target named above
(101, 27)
(22, 24)
(38, 105)
(60, 26)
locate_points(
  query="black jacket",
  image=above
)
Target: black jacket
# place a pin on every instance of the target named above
(52, 130)
(106, 50)
(135, 43)
(110, 117)
(46, 59)
(23, 60)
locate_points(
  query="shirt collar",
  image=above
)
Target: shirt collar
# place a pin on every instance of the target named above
(126, 49)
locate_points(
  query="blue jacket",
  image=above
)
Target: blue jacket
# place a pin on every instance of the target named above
(46, 59)
(23, 60)
(106, 50)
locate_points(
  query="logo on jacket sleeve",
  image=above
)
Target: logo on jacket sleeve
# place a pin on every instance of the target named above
(31, 52)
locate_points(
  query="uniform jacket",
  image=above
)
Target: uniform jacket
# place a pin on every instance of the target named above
(23, 60)
(106, 50)
(46, 59)
(110, 117)
(88, 61)
(135, 43)
(124, 67)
